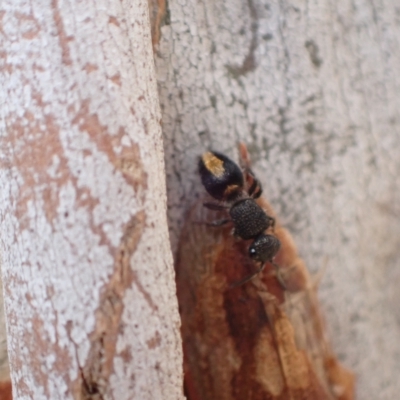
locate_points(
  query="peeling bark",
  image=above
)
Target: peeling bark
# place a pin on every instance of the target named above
(87, 267)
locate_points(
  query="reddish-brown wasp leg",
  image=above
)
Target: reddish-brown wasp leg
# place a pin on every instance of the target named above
(249, 278)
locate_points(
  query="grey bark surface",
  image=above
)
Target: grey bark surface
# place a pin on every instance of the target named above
(86, 262)
(313, 89)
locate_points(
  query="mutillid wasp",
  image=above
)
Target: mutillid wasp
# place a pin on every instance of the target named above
(236, 191)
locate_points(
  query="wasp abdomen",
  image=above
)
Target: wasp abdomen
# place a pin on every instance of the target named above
(249, 219)
(222, 178)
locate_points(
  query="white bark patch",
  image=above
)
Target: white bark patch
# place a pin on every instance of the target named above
(86, 260)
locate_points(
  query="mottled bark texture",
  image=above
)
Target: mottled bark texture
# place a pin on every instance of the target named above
(313, 89)
(87, 268)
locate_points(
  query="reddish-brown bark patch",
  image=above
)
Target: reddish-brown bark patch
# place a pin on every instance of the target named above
(126, 355)
(35, 143)
(114, 21)
(116, 79)
(90, 68)
(128, 161)
(155, 341)
(5, 390)
(61, 34)
(29, 25)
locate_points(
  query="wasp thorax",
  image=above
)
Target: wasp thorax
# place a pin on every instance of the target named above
(249, 219)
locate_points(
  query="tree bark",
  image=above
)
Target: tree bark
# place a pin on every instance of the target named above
(5, 382)
(313, 89)
(87, 267)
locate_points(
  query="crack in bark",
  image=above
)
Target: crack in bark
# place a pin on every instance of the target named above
(159, 16)
(94, 375)
(313, 51)
(249, 63)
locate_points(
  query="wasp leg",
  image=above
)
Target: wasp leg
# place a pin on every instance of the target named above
(249, 278)
(279, 276)
(215, 207)
(255, 189)
(272, 223)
